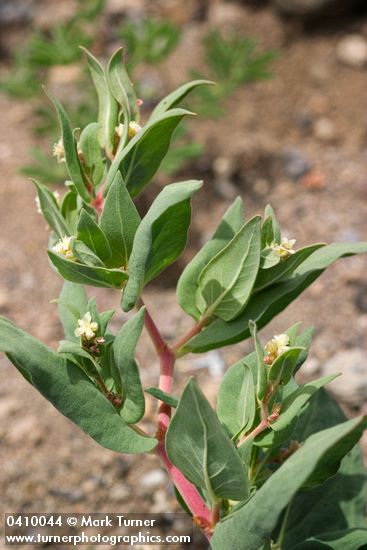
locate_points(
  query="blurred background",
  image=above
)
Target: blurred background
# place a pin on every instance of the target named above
(286, 124)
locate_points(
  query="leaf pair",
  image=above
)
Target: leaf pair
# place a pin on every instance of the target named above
(160, 238)
(70, 391)
(246, 382)
(198, 445)
(219, 280)
(318, 459)
(267, 303)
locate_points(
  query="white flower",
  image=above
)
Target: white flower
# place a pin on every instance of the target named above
(58, 151)
(134, 128)
(285, 248)
(87, 328)
(63, 248)
(276, 346)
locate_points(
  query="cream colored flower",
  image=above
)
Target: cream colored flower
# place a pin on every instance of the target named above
(134, 128)
(276, 346)
(285, 248)
(63, 248)
(58, 151)
(87, 328)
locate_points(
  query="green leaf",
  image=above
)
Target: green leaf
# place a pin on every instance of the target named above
(352, 539)
(285, 268)
(69, 211)
(318, 458)
(93, 236)
(74, 352)
(107, 105)
(266, 304)
(267, 234)
(121, 87)
(269, 259)
(270, 438)
(225, 284)
(140, 159)
(70, 390)
(119, 222)
(91, 151)
(175, 97)
(88, 275)
(104, 319)
(84, 254)
(71, 155)
(163, 396)
(275, 230)
(284, 366)
(340, 502)
(160, 237)
(230, 224)
(72, 304)
(236, 407)
(262, 368)
(198, 446)
(51, 211)
(294, 402)
(124, 346)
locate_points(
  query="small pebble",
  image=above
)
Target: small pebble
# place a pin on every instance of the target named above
(351, 386)
(352, 51)
(314, 180)
(361, 300)
(295, 163)
(212, 361)
(324, 130)
(153, 479)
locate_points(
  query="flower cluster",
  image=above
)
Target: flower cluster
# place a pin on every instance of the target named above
(86, 328)
(285, 248)
(275, 347)
(63, 247)
(58, 151)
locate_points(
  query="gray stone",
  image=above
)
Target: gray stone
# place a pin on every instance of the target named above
(15, 12)
(351, 386)
(213, 361)
(361, 299)
(311, 367)
(352, 51)
(154, 478)
(295, 163)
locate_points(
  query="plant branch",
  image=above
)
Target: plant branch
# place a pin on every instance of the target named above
(263, 424)
(190, 334)
(202, 516)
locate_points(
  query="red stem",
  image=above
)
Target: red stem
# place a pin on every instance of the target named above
(202, 516)
(264, 423)
(190, 334)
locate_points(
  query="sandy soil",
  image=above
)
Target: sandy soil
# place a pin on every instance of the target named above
(47, 463)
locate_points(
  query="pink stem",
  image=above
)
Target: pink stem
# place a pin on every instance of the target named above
(201, 514)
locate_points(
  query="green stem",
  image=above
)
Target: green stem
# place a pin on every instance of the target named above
(283, 529)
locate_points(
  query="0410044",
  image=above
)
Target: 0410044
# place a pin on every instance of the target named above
(273, 449)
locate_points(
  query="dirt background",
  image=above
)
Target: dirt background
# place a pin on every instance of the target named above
(48, 464)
